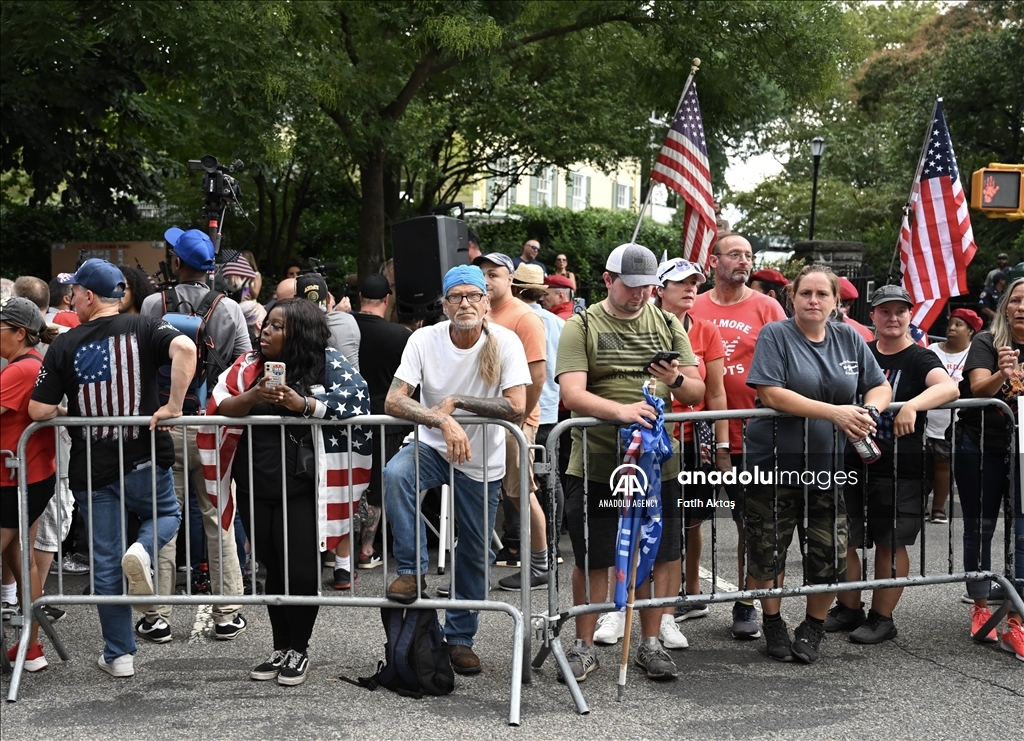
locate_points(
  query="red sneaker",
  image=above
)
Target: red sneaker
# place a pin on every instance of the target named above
(34, 659)
(1012, 639)
(980, 616)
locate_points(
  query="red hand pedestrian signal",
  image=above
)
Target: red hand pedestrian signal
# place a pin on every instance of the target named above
(988, 193)
(997, 191)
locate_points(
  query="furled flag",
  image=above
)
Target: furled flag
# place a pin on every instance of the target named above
(682, 165)
(936, 240)
(640, 514)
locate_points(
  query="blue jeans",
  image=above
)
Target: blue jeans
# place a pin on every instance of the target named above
(981, 496)
(107, 533)
(472, 555)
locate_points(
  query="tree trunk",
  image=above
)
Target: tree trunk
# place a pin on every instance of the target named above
(371, 213)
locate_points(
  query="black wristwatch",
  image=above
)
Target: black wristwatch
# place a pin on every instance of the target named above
(679, 382)
(873, 411)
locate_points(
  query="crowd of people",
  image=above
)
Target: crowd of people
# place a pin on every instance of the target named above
(846, 471)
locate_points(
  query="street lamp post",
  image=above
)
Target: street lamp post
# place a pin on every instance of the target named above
(817, 147)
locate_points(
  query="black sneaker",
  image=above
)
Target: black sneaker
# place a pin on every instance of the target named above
(691, 610)
(293, 670)
(875, 629)
(841, 617)
(270, 668)
(230, 631)
(514, 583)
(343, 579)
(444, 590)
(157, 631)
(744, 622)
(507, 558)
(806, 643)
(53, 613)
(780, 645)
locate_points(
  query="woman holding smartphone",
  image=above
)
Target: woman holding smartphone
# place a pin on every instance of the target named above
(294, 334)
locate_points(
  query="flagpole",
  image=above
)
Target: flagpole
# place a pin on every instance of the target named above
(650, 186)
(907, 207)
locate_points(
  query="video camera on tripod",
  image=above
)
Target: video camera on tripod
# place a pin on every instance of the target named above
(219, 190)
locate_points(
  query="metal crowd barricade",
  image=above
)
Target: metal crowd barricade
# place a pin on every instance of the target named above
(549, 625)
(520, 617)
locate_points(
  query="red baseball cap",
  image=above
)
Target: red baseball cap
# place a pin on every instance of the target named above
(558, 281)
(847, 291)
(770, 276)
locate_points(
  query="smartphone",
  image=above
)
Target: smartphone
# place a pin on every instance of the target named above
(579, 305)
(275, 374)
(665, 355)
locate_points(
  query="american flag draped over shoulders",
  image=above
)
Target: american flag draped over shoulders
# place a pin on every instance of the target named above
(682, 165)
(936, 240)
(342, 477)
(110, 383)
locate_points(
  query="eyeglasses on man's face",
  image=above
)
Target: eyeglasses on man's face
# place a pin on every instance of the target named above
(737, 256)
(455, 299)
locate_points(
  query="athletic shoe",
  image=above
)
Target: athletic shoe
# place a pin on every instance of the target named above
(653, 659)
(230, 631)
(136, 565)
(8, 609)
(445, 589)
(939, 517)
(980, 616)
(251, 586)
(807, 639)
(369, 562)
(875, 629)
(71, 565)
(507, 558)
(270, 668)
(995, 594)
(158, 631)
(691, 610)
(611, 626)
(464, 659)
(34, 659)
(582, 660)
(513, 582)
(841, 617)
(293, 670)
(122, 666)
(744, 622)
(776, 636)
(344, 579)
(53, 613)
(1012, 639)
(670, 635)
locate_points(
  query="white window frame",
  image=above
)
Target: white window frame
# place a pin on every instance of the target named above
(579, 192)
(503, 165)
(622, 196)
(545, 186)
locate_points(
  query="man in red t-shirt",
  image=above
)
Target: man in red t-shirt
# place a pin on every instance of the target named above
(739, 312)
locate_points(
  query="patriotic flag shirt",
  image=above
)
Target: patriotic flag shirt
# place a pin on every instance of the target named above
(107, 367)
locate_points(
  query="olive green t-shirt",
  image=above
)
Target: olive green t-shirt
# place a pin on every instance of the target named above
(614, 353)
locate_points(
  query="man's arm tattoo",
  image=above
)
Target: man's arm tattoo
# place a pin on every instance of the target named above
(399, 403)
(499, 408)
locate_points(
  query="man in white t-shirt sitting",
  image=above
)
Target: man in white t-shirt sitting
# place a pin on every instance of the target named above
(463, 367)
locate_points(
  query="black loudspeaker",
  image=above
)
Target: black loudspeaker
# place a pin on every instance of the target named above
(424, 249)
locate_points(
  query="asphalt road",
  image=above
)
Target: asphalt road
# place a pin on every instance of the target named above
(931, 682)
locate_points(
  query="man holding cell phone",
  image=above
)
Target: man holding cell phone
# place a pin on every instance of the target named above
(601, 374)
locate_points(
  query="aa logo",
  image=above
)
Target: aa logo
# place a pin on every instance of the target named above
(628, 481)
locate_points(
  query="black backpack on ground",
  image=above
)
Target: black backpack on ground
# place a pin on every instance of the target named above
(416, 655)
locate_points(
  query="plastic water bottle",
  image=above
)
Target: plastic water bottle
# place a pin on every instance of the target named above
(867, 449)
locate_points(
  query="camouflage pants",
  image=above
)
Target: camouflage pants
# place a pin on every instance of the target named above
(827, 533)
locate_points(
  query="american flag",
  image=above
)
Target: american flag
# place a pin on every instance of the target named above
(936, 240)
(109, 382)
(342, 476)
(682, 165)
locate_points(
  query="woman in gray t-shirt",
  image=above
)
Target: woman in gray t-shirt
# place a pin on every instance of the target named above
(814, 370)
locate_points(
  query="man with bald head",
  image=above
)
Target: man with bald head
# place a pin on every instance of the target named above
(530, 251)
(739, 312)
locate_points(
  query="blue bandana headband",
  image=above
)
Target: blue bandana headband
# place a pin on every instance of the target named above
(464, 275)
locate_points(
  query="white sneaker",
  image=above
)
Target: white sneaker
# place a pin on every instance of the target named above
(610, 628)
(137, 568)
(122, 666)
(670, 635)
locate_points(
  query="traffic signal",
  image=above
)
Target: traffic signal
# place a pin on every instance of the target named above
(996, 191)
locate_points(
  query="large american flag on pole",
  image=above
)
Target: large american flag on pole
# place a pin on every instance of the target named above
(110, 383)
(682, 165)
(936, 240)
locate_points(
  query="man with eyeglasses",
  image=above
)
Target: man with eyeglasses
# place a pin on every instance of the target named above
(463, 367)
(739, 312)
(530, 251)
